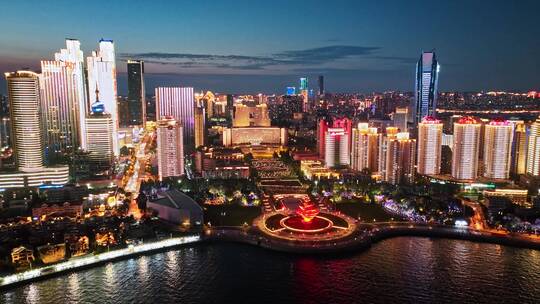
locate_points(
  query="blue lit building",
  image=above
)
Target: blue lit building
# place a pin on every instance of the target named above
(427, 77)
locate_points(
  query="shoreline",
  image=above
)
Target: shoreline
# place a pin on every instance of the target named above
(363, 240)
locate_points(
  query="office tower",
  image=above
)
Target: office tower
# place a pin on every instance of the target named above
(400, 118)
(399, 158)
(321, 85)
(59, 107)
(427, 77)
(251, 116)
(136, 93)
(99, 135)
(200, 128)
(102, 77)
(466, 148)
(429, 146)
(73, 55)
(533, 149)
(519, 149)
(170, 150)
(178, 103)
(365, 148)
(24, 95)
(497, 149)
(304, 92)
(207, 101)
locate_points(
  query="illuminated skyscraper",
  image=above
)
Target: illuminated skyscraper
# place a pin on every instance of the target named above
(519, 149)
(73, 55)
(24, 95)
(533, 150)
(466, 148)
(429, 146)
(136, 93)
(427, 77)
(59, 107)
(178, 103)
(399, 159)
(170, 150)
(337, 152)
(497, 149)
(102, 76)
(99, 138)
(365, 148)
(304, 92)
(200, 128)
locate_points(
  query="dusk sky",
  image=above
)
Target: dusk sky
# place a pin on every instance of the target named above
(263, 46)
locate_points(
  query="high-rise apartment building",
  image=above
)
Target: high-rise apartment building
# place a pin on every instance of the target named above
(427, 77)
(178, 103)
(399, 159)
(519, 149)
(497, 149)
(170, 150)
(322, 129)
(101, 67)
(466, 148)
(429, 146)
(533, 149)
(136, 98)
(365, 148)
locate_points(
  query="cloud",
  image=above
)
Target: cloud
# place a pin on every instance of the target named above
(327, 57)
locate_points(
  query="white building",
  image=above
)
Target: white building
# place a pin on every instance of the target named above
(429, 146)
(99, 138)
(73, 54)
(170, 148)
(466, 148)
(533, 149)
(337, 151)
(365, 148)
(102, 78)
(497, 149)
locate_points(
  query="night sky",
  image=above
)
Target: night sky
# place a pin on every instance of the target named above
(263, 46)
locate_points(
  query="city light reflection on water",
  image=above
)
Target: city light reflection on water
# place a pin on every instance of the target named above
(404, 270)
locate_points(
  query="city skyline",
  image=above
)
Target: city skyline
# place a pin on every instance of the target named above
(356, 51)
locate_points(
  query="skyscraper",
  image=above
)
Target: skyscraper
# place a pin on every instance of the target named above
(400, 159)
(59, 107)
(429, 146)
(72, 54)
(170, 151)
(365, 148)
(321, 85)
(427, 77)
(304, 92)
(24, 95)
(99, 138)
(336, 142)
(102, 77)
(497, 149)
(178, 103)
(466, 148)
(136, 93)
(519, 149)
(200, 128)
(533, 150)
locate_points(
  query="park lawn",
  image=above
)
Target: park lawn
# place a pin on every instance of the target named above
(367, 212)
(230, 215)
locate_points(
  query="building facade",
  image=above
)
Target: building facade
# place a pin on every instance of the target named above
(429, 146)
(427, 77)
(170, 148)
(365, 148)
(178, 103)
(497, 149)
(466, 148)
(136, 98)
